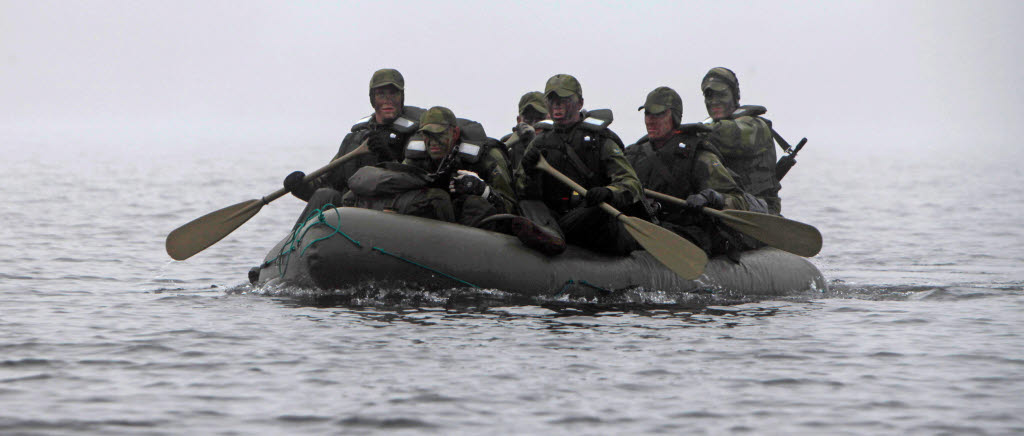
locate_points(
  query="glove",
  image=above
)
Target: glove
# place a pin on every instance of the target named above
(294, 181)
(468, 183)
(706, 198)
(379, 144)
(526, 132)
(530, 158)
(598, 195)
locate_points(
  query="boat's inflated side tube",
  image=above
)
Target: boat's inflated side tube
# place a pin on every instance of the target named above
(379, 247)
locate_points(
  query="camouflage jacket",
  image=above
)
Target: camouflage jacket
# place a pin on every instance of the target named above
(748, 150)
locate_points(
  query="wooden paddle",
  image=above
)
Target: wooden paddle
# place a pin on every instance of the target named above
(678, 254)
(785, 234)
(202, 232)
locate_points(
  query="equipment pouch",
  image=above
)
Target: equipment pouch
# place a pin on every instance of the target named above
(387, 180)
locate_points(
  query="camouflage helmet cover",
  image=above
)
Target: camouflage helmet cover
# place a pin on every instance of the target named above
(661, 99)
(437, 120)
(535, 100)
(720, 79)
(563, 85)
(385, 77)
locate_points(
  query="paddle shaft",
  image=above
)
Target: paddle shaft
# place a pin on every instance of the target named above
(200, 233)
(359, 151)
(546, 167)
(681, 202)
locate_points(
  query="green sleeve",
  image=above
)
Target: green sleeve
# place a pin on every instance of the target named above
(624, 184)
(498, 176)
(710, 173)
(743, 136)
(527, 183)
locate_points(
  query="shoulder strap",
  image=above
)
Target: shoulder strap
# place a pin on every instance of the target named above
(656, 162)
(578, 163)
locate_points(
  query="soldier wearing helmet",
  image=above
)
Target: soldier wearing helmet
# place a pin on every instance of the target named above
(680, 160)
(386, 133)
(581, 146)
(744, 139)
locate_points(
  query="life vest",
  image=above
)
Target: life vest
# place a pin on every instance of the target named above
(670, 170)
(473, 144)
(576, 152)
(406, 124)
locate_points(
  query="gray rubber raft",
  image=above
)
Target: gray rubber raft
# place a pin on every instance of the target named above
(350, 247)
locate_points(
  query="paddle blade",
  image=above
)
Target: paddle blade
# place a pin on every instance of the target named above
(202, 232)
(785, 234)
(675, 252)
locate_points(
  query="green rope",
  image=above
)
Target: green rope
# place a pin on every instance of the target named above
(337, 230)
(584, 283)
(426, 267)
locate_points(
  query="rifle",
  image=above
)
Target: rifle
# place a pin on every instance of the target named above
(786, 162)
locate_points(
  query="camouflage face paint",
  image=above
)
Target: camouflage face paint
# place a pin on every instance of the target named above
(659, 126)
(387, 103)
(439, 144)
(720, 104)
(564, 110)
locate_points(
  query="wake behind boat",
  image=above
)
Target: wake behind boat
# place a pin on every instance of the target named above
(353, 247)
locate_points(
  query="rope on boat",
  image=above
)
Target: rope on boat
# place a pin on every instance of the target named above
(318, 215)
(426, 267)
(582, 282)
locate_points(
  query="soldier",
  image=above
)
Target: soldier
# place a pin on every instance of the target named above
(386, 133)
(452, 172)
(680, 160)
(532, 108)
(745, 141)
(584, 149)
(478, 175)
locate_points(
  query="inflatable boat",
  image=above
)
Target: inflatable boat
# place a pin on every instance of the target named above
(351, 247)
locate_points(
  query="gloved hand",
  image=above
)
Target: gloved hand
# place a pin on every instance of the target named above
(526, 132)
(468, 183)
(294, 181)
(597, 195)
(706, 198)
(379, 144)
(530, 158)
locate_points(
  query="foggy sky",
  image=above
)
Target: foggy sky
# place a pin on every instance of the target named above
(851, 76)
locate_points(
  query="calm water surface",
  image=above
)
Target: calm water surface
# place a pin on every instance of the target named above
(103, 334)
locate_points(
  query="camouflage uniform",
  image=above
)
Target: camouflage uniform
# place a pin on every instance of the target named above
(591, 155)
(746, 145)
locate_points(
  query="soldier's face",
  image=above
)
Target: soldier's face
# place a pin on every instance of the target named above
(439, 144)
(387, 103)
(659, 126)
(564, 110)
(720, 104)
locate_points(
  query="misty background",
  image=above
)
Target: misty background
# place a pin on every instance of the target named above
(854, 77)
